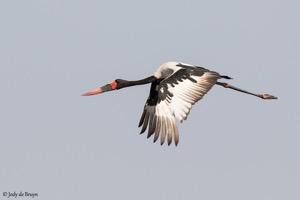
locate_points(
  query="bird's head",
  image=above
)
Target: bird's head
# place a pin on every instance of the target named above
(114, 85)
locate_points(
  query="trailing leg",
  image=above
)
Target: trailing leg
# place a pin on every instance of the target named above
(263, 96)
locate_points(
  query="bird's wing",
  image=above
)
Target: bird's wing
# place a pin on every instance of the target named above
(174, 97)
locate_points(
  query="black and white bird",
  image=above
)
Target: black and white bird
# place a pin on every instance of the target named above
(175, 88)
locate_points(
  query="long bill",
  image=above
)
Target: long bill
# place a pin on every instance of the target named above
(105, 88)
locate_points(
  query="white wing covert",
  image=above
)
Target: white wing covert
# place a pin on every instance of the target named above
(173, 97)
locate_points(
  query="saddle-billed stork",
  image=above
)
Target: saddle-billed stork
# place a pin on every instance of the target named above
(175, 87)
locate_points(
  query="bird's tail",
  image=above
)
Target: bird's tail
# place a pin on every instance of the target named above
(226, 77)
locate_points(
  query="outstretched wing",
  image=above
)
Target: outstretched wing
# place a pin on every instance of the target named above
(174, 97)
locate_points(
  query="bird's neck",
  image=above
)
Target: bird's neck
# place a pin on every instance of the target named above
(144, 81)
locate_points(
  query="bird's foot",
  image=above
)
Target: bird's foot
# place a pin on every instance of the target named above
(267, 96)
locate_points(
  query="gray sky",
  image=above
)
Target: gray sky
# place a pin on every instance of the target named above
(61, 145)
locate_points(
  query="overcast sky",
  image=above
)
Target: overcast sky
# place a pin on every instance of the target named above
(233, 146)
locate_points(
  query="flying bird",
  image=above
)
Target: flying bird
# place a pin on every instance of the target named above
(175, 88)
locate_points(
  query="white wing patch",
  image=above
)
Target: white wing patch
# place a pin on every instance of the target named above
(166, 124)
(175, 98)
(187, 93)
(184, 96)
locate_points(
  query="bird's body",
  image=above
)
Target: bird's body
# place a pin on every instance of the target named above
(175, 88)
(178, 87)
